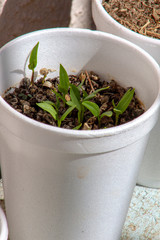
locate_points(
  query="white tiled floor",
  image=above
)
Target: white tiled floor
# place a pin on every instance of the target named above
(143, 219)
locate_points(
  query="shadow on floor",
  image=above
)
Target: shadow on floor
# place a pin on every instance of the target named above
(19, 17)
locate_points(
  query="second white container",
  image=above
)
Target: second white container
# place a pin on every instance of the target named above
(150, 170)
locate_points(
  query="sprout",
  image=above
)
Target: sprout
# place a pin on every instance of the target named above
(33, 61)
(123, 104)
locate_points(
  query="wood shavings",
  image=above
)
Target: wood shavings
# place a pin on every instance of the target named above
(141, 16)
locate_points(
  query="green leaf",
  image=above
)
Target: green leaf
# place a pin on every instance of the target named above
(92, 95)
(77, 127)
(80, 85)
(52, 104)
(84, 94)
(124, 102)
(92, 107)
(117, 111)
(33, 57)
(70, 103)
(107, 114)
(48, 108)
(64, 80)
(75, 97)
(59, 96)
(68, 111)
(76, 91)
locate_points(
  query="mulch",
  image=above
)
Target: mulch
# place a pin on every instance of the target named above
(141, 16)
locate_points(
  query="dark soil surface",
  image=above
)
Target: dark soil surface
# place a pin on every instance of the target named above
(25, 97)
(141, 16)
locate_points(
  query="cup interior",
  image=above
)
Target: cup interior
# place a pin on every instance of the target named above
(105, 22)
(76, 50)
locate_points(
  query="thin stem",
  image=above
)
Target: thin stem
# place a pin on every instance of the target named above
(79, 117)
(82, 112)
(32, 77)
(58, 122)
(117, 116)
(99, 121)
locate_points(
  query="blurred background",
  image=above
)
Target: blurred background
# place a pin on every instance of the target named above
(22, 16)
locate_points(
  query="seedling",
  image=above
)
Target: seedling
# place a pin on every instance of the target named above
(64, 81)
(63, 86)
(51, 108)
(33, 61)
(107, 114)
(76, 98)
(123, 104)
(71, 95)
(83, 103)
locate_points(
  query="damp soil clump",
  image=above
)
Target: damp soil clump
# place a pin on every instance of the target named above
(25, 97)
(141, 16)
